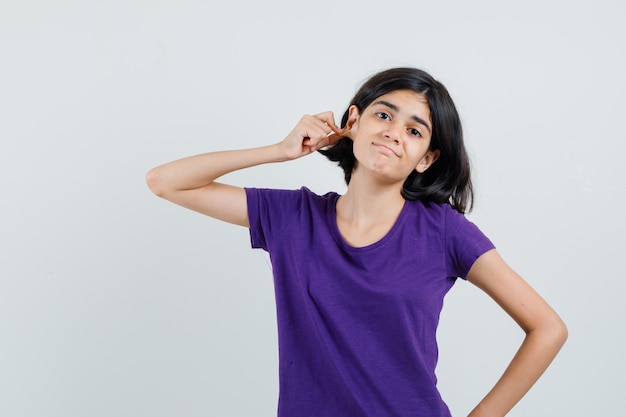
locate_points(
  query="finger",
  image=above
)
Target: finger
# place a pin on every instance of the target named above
(333, 138)
(329, 140)
(316, 126)
(319, 131)
(329, 119)
(314, 130)
(321, 144)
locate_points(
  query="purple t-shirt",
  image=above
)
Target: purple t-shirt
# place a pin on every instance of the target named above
(357, 326)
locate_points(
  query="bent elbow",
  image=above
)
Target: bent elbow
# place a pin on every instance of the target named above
(552, 331)
(154, 182)
(561, 332)
(557, 333)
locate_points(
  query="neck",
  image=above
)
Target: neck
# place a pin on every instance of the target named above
(367, 203)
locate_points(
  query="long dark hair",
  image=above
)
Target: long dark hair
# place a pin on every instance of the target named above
(447, 180)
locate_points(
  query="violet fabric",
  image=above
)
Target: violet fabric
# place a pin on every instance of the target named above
(357, 326)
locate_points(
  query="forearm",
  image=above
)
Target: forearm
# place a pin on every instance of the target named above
(190, 182)
(201, 170)
(535, 354)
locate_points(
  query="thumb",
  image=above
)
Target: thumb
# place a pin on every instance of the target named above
(329, 140)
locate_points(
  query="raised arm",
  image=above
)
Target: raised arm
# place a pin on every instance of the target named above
(190, 182)
(545, 332)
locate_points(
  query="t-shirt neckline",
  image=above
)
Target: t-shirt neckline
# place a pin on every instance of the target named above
(332, 220)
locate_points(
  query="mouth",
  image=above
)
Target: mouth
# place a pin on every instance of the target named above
(385, 149)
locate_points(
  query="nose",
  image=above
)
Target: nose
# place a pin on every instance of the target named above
(393, 132)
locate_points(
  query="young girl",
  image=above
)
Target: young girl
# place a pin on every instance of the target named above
(360, 278)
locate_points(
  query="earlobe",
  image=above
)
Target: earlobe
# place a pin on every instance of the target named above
(427, 160)
(353, 117)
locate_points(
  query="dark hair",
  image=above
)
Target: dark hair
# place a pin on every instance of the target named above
(447, 180)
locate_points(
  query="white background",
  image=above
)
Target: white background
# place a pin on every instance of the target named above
(116, 303)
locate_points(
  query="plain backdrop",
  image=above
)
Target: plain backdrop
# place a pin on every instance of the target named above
(116, 303)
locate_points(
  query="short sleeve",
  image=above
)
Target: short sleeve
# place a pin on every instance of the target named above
(269, 211)
(465, 243)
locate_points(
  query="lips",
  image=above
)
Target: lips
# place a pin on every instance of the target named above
(385, 149)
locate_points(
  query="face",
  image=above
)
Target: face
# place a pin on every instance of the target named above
(392, 135)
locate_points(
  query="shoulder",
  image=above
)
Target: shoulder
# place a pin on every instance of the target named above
(433, 213)
(277, 202)
(276, 212)
(301, 194)
(443, 220)
(441, 213)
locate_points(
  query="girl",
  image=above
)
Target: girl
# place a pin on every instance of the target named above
(360, 278)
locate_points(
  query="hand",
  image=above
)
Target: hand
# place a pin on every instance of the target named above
(310, 134)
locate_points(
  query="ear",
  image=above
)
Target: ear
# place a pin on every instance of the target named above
(427, 160)
(353, 118)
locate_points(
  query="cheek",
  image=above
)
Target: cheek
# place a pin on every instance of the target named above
(360, 138)
(416, 151)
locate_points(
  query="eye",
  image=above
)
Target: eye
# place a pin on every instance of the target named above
(382, 115)
(415, 132)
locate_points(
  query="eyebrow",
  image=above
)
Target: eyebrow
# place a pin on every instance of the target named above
(413, 117)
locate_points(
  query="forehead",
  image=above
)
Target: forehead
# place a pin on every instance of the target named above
(406, 101)
(407, 104)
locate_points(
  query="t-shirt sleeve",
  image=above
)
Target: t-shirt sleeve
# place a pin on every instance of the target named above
(269, 211)
(465, 243)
